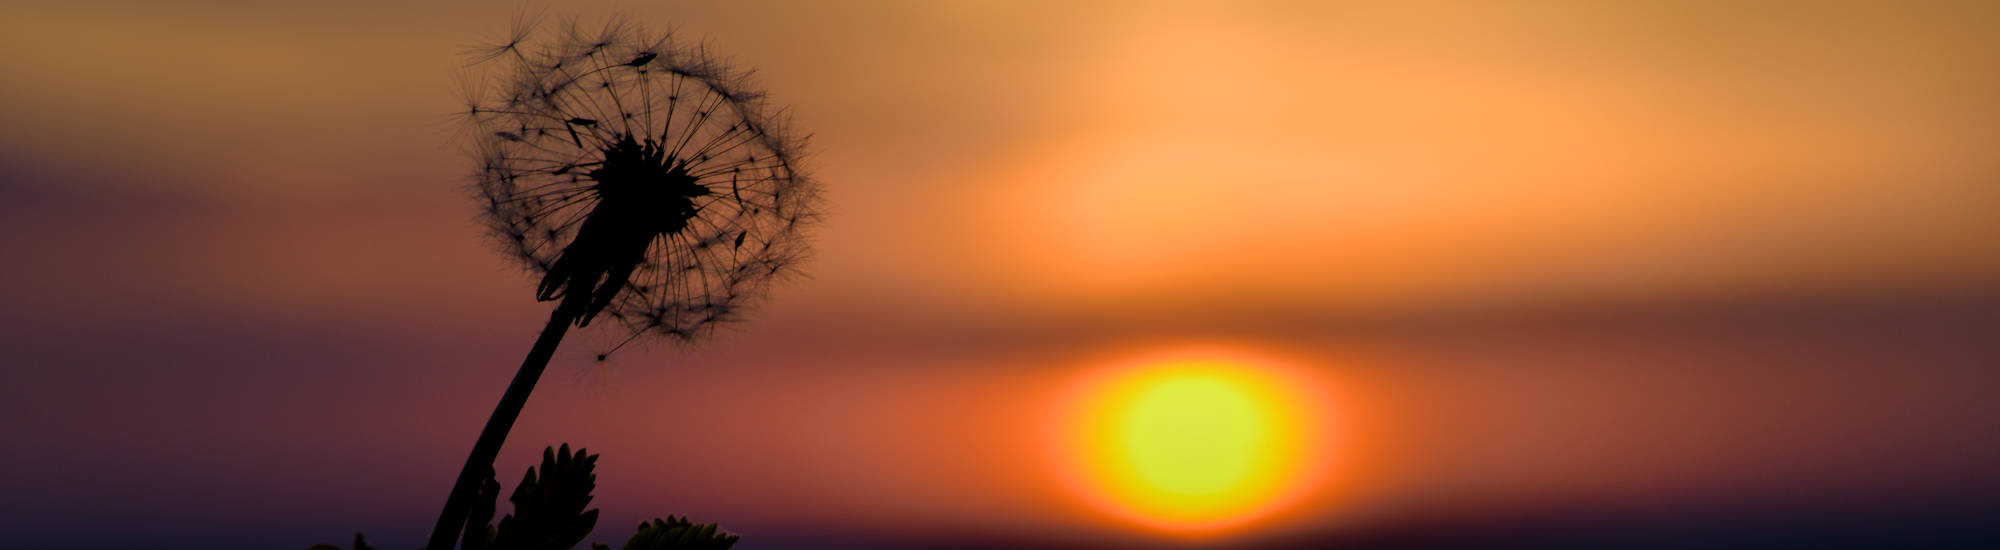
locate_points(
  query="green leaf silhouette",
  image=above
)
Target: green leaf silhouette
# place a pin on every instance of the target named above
(549, 510)
(677, 533)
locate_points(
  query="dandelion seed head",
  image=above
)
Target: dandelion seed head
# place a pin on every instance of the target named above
(553, 106)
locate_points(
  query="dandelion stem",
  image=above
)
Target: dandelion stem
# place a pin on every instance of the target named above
(487, 448)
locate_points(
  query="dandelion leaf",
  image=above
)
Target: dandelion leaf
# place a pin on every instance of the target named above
(678, 533)
(550, 508)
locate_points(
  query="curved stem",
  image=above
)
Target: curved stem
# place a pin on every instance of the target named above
(484, 451)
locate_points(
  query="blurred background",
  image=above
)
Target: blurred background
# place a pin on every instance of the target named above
(1574, 273)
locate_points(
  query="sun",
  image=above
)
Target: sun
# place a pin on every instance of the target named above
(1192, 445)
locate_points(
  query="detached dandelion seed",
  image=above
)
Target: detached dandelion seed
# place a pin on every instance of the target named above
(646, 185)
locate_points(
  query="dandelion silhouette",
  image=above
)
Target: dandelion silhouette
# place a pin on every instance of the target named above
(644, 182)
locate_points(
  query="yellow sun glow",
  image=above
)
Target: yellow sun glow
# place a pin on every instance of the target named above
(1192, 445)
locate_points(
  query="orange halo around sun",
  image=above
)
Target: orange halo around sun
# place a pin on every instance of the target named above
(1193, 443)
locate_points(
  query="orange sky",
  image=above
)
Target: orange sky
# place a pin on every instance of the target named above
(1250, 156)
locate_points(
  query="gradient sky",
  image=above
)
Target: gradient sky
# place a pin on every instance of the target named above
(1565, 269)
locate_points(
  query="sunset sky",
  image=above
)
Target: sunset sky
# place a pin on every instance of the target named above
(1571, 272)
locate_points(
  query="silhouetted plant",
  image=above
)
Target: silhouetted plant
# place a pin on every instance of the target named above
(640, 180)
(677, 533)
(552, 512)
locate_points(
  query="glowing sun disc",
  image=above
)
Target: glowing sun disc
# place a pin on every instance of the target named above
(1192, 444)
